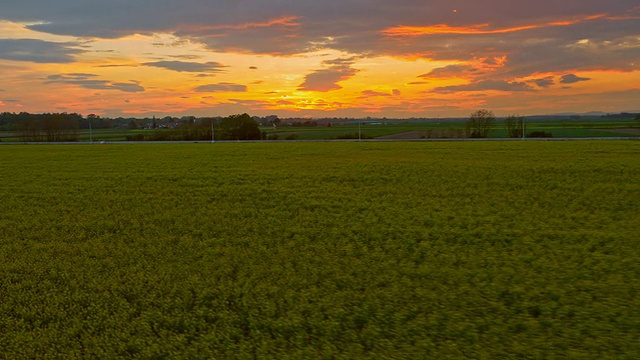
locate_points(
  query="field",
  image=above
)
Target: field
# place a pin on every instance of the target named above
(583, 127)
(441, 250)
(455, 128)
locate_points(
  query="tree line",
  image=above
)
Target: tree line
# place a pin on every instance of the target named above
(66, 127)
(49, 127)
(483, 121)
(234, 127)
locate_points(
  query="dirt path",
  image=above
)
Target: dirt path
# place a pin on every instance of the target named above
(630, 131)
(425, 134)
(416, 134)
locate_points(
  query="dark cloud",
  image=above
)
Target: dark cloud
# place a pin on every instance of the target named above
(572, 79)
(544, 82)
(327, 79)
(450, 71)
(288, 27)
(185, 57)
(596, 45)
(371, 93)
(37, 51)
(277, 35)
(341, 61)
(486, 85)
(184, 66)
(126, 87)
(221, 87)
(115, 65)
(251, 104)
(14, 102)
(88, 81)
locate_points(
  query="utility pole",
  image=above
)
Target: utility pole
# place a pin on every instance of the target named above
(213, 134)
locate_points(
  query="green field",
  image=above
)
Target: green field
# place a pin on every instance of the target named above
(441, 250)
(439, 128)
(454, 128)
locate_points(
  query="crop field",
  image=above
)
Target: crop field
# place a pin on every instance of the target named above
(377, 250)
(455, 129)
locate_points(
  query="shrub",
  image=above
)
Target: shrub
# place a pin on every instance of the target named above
(136, 137)
(540, 134)
(354, 136)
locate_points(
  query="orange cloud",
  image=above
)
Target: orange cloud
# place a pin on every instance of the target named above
(479, 29)
(287, 21)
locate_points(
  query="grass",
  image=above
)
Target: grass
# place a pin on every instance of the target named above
(559, 128)
(321, 250)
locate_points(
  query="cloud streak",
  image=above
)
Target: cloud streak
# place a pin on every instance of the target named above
(89, 81)
(481, 29)
(37, 51)
(221, 87)
(487, 85)
(185, 66)
(572, 79)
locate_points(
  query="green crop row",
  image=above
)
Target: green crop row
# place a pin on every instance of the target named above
(321, 250)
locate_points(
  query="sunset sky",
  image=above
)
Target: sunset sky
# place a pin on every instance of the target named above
(347, 58)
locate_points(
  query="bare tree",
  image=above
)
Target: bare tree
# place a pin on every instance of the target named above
(48, 127)
(514, 125)
(480, 123)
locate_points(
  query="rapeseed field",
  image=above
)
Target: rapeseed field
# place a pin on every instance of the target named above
(445, 250)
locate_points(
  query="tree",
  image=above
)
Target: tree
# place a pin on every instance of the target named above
(514, 125)
(637, 117)
(207, 125)
(480, 123)
(239, 127)
(29, 127)
(96, 122)
(48, 127)
(60, 127)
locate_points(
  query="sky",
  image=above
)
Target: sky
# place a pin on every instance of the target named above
(330, 58)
